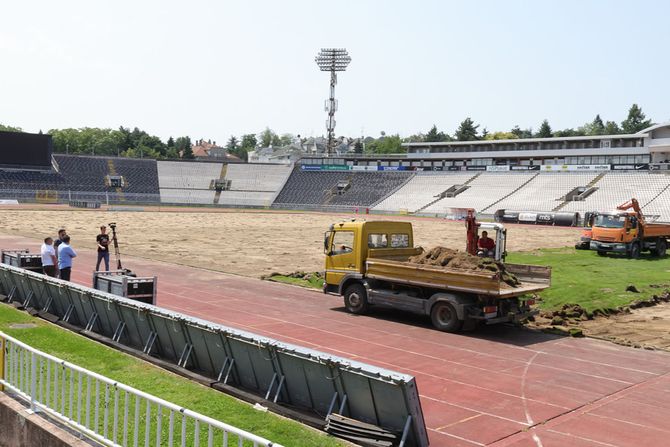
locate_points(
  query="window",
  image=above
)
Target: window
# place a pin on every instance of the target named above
(377, 241)
(343, 242)
(400, 240)
(609, 221)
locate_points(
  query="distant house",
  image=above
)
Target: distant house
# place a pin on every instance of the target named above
(206, 150)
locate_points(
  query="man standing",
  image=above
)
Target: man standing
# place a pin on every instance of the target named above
(49, 259)
(103, 248)
(65, 255)
(61, 234)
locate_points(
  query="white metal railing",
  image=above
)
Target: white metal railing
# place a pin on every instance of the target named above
(107, 411)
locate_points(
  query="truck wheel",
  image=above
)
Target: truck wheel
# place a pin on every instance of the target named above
(661, 248)
(356, 299)
(445, 318)
(634, 252)
(602, 253)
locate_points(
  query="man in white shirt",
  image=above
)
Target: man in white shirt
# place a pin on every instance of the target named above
(49, 260)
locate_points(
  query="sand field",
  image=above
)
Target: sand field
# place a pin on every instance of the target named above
(244, 243)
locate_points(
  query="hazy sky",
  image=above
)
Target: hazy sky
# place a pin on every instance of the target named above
(210, 69)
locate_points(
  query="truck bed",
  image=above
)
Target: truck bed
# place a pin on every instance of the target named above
(657, 230)
(532, 278)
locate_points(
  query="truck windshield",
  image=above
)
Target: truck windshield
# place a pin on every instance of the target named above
(609, 221)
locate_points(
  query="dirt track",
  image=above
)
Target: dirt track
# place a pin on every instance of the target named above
(245, 243)
(647, 327)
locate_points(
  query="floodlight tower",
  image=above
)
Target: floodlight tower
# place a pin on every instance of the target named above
(332, 60)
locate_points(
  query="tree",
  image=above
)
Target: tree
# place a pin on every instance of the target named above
(569, 132)
(386, 144)
(170, 142)
(467, 131)
(501, 136)
(358, 147)
(597, 126)
(635, 121)
(434, 135)
(249, 142)
(184, 147)
(522, 133)
(10, 128)
(232, 144)
(611, 128)
(286, 139)
(544, 131)
(269, 138)
(233, 147)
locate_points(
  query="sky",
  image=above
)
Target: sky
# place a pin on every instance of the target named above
(212, 69)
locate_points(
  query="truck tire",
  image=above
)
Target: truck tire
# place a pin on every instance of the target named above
(634, 252)
(444, 317)
(356, 299)
(661, 248)
(602, 253)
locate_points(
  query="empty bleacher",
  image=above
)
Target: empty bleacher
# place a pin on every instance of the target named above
(320, 188)
(485, 190)
(31, 180)
(187, 174)
(546, 191)
(246, 198)
(257, 177)
(421, 190)
(616, 188)
(187, 196)
(141, 176)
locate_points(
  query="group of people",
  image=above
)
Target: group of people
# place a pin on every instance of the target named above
(57, 255)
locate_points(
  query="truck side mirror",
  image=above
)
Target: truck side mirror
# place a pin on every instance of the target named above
(326, 240)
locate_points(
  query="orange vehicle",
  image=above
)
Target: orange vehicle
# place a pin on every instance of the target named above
(626, 231)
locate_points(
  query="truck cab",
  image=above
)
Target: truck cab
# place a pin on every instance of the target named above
(347, 245)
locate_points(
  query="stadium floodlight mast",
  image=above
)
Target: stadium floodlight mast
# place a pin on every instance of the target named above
(332, 60)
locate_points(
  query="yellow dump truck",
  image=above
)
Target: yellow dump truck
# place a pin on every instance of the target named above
(367, 264)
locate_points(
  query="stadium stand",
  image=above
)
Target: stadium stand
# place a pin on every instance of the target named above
(246, 198)
(30, 180)
(187, 196)
(421, 190)
(187, 182)
(615, 188)
(339, 188)
(257, 177)
(141, 176)
(187, 175)
(485, 190)
(546, 191)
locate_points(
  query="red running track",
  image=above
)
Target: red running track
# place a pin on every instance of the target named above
(499, 386)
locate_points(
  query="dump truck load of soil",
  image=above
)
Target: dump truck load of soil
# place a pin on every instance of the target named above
(454, 259)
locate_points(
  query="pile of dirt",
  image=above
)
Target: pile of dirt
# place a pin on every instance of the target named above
(454, 259)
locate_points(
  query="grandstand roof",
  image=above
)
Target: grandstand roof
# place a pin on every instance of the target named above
(641, 134)
(654, 127)
(529, 140)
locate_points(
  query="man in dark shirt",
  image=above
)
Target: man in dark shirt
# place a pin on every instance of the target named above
(486, 245)
(103, 248)
(61, 234)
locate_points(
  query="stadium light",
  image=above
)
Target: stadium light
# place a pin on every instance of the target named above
(332, 60)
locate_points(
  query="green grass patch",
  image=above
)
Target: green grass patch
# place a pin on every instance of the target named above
(307, 280)
(143, 376)
(596, 282)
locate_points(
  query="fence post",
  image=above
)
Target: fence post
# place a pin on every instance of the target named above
(33, 381)
(2, 361)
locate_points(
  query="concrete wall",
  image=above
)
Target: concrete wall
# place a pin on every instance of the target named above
(20, 429)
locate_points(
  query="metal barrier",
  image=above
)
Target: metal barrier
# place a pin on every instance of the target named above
(107, 411)
(280, 373)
